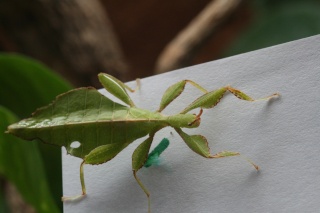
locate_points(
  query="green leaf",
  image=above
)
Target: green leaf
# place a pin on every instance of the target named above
(21, 163)
(26, 84)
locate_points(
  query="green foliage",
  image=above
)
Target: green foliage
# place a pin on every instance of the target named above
(278, 22)
(21, 164)
(26, 84)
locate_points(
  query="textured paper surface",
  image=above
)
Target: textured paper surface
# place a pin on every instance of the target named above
(281, 136)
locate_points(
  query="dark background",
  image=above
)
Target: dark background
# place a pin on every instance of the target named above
(142, 29)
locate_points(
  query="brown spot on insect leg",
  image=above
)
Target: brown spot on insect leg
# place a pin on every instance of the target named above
(197, 119)
(245, 97)
(230, 154)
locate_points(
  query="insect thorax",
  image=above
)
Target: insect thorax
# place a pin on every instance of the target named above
(183, 121)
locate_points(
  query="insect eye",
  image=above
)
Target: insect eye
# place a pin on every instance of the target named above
(75, 144)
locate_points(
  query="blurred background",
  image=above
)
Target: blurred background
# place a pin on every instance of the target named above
(77, 39)
(128, 39)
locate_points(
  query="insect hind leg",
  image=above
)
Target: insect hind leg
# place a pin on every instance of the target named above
(77, 197)
(211, 99)
(230, 154)
(241, 95)
(144, 189)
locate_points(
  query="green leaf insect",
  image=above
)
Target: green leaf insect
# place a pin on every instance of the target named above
(153, 157)
(104, 128)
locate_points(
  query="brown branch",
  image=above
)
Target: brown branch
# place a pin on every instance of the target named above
(71, 36)
(182, 48)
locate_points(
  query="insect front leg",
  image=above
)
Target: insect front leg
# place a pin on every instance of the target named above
(117, 87)
(211, 99)
(139, 157)
(174, 91)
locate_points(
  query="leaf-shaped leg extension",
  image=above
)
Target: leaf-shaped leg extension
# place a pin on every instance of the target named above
(199, 145)
(117, 87)
(211, 99)
(139, 157)
(174, 91)
(98, 155)
(208, 100)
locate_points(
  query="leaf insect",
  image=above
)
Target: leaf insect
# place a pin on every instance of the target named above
(104, 128)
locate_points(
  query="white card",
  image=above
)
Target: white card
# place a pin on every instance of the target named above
(282, 136)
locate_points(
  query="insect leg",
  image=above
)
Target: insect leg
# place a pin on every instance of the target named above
(99, 155)
(230, 154)
(174, 91)
(117, 88)
(72, 198)
(83, 186)
(239, 94)
(137, 86)
(211, 99)
(199, 145)
(144, 189)
(139, 157)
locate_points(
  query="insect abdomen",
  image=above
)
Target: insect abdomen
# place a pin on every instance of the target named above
(86, 116)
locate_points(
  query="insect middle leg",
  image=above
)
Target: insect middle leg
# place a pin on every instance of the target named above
(211, 99)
